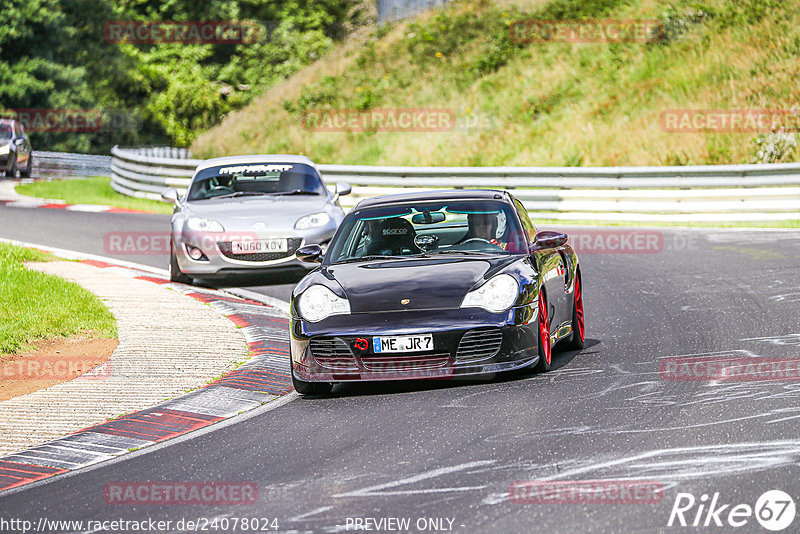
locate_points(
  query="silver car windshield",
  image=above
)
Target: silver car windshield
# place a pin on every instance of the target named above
(426, 229)
(5, 132)
(256, 179)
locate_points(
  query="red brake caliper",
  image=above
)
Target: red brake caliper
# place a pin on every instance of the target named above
(579, 307)
(544, 328)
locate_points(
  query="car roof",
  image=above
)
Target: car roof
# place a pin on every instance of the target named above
(7, 121)
(448, 194)
(255, 158)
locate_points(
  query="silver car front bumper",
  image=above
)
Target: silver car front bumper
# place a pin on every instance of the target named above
(218, 260)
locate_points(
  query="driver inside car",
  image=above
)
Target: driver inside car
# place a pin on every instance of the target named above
(483, 226)
(218, 185)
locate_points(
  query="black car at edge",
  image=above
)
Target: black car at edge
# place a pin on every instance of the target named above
(15, 149)
(434, 285)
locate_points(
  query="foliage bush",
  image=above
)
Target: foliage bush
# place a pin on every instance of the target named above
(548, 103)
(774, 147)
(53, 56)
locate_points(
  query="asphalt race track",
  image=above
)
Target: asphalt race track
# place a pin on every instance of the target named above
(444, 454)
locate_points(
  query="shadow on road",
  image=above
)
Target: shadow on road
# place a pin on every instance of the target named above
(256, 280)
(360, 389)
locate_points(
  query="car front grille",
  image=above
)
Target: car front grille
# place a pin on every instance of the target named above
(293, 244)
(333, 353)
(389, 364)
(479, 344)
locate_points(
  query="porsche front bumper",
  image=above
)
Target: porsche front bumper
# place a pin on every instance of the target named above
(466, 342)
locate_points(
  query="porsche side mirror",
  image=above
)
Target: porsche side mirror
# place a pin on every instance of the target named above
(547, 239)
(309, 254)
(170, 195)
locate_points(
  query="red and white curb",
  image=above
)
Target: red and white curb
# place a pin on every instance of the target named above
(49, 204)
(263, 378)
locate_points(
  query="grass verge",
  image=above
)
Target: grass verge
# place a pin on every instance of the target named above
(39, 306)
(93, 190)
(541, 103)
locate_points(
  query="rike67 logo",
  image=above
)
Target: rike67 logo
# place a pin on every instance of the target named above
(774, 510)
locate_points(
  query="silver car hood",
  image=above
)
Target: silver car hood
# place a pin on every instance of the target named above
(240, 213)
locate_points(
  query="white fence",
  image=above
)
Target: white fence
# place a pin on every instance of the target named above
(688, 193)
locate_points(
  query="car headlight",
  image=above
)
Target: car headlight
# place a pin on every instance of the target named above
(314, 220)
(318, 302)
(4, 149)
(201, 224)
(496, 295)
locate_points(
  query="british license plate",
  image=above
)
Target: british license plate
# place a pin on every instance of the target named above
(413, 343)
(255, 246)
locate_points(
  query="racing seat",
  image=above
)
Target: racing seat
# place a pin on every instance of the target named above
(394, 237)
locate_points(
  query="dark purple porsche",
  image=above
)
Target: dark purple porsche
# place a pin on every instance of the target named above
(434, 285)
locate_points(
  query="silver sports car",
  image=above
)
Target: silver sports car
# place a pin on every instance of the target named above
(245, 214)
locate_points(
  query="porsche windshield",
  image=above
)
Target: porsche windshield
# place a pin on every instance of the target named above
(5, 132)
(426, 229)
(256, 179)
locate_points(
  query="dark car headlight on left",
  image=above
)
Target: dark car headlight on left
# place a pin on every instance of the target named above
(496, 295)
(318, 302)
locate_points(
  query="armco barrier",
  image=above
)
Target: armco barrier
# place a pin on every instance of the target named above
(58, 164)
(687, 193)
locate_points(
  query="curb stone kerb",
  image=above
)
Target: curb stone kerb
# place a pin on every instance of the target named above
(262, 378)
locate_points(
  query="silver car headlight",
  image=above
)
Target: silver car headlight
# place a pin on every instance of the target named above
(315, 220)
(318, 302)
(201, 224)
(498, 294)
(4, 149)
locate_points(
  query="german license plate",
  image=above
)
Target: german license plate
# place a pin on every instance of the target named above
(412, 343)
(255, 246)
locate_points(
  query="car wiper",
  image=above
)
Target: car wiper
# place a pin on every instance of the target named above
(466, 252)
(294, 192)
(240, 194)
(371, 257)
